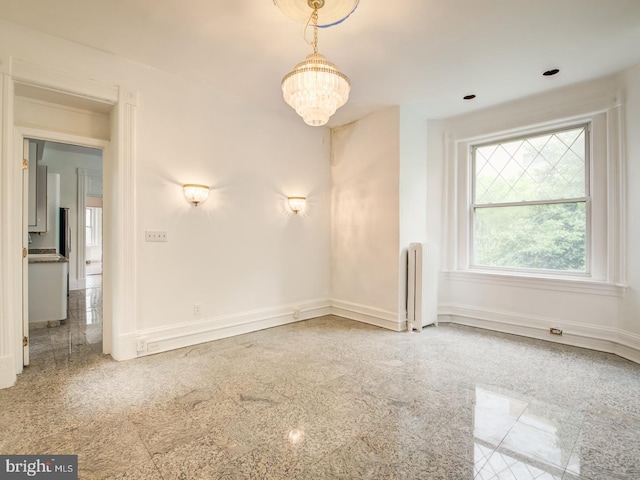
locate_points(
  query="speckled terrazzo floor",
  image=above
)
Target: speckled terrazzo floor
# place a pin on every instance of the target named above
(331, 398)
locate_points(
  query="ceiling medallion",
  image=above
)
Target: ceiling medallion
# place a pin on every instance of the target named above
(331, 12)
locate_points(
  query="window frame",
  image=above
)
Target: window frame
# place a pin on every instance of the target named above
(606, 228)
(88, 226)
(586, 199)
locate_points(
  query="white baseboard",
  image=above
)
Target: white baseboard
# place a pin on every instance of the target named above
(185, 334)
(373, 316)
(604, 339)
(7, 371)
(628, 346)
(162, 339)
(124, 348)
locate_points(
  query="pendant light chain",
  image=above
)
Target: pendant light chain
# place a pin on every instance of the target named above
(312, 22)
(314, 19)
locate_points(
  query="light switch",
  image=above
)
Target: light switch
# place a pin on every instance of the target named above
(155, 236)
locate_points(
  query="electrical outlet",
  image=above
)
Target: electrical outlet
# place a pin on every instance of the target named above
(155, 236)
(197, 309)
(555, 331)
(296, 313)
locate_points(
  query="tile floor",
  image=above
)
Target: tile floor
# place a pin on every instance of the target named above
(328, 398)
(80, 335)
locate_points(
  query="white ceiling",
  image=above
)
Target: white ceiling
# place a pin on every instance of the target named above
(427, 53)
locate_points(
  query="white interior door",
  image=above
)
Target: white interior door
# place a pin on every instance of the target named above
(25, 248)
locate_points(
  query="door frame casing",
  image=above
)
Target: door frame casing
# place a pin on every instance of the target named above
(84, 176)
(119, 279)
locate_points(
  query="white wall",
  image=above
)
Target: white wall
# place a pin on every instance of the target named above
(630, 309)
(243, 256)
(365, 174)
(601, 314)
(413, 193)
(243, 249)
(379, 191)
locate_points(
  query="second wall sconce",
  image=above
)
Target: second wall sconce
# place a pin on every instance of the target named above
(297, 203)
(195, 193)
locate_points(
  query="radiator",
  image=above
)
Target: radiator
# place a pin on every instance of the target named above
(421, 289)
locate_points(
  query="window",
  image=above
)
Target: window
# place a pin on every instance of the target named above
(535, 195)
(93, 226)
(530, 202)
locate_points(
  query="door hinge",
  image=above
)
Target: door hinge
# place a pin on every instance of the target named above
(24, 252)
(25, 341)
(25, 163)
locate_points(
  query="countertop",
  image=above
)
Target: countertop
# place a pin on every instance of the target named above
(45, 255)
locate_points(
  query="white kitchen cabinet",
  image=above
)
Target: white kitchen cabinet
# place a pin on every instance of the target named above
(37, 213)
(42, 216)
(47, 287)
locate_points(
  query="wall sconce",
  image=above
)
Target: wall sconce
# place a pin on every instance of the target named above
(195, 193)
(297, 203)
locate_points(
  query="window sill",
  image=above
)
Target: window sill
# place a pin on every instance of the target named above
(540, 282)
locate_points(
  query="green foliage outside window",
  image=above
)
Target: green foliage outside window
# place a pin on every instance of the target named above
(549, 236)
(530, 203)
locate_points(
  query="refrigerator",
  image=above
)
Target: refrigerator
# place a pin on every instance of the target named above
(64, 245)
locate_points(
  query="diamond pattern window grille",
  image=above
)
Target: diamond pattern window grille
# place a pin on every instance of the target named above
(530, 202)
(535, 169)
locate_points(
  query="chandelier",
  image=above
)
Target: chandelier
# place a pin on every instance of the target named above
(315, 88)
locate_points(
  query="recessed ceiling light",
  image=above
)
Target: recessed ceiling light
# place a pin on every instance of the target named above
(551, 72)
(469, 97)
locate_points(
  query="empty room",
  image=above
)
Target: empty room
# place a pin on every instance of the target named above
(320, 239)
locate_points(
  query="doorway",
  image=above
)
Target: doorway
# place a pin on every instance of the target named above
(43, 103)
(74, 232)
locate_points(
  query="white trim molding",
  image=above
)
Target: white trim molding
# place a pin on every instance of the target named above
(598, 104)
(119, 279)
(610, 340)
(555, 284)
(628, 345)
(84, 176)
(371, 315)
(11, 235)
(81, 205)
(185, 334)
(42, 77)
(119, 276)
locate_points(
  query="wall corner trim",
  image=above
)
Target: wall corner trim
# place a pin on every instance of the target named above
(371, 315)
